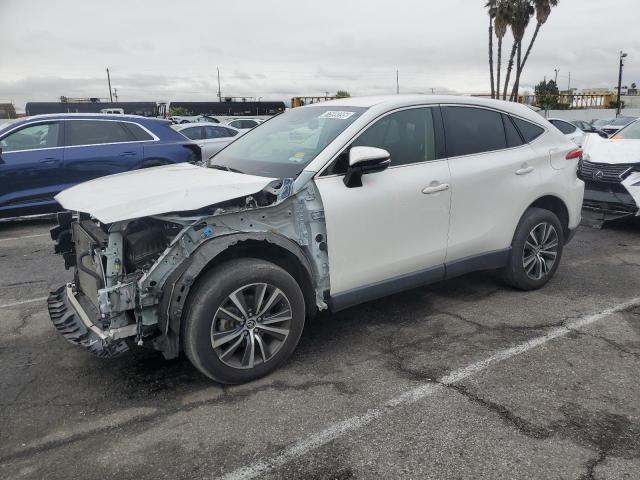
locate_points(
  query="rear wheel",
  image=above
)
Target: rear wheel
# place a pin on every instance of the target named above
(243, 320)
(536, 250)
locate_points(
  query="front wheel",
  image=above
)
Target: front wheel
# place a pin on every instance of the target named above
(243, 320)
(536, 250)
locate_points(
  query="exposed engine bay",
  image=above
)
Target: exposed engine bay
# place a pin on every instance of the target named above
(132, 277)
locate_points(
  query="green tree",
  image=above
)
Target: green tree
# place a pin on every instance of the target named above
(342, 94)
(543, 11)
(521, 14)
(491, 6)
(178, 111)
(499, 17)
(547, 94)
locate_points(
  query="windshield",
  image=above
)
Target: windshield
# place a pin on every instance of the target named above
(284, 145)
(599, 123)
(632, 132)
(620, 121)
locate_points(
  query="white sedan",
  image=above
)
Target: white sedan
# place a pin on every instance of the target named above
(211, 138)
(243, 123)
(570, 131)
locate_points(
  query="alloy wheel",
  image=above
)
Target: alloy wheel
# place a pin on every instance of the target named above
(540, 251)
(251, 325)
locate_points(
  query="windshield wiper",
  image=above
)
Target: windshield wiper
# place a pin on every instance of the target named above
(224, 167)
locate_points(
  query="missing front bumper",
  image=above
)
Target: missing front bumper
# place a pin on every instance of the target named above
(74, 323)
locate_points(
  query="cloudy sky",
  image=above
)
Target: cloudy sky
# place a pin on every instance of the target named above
(169, 50)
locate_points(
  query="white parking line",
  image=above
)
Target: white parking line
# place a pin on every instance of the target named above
(22, 302)
(418, 393)
(25, 236)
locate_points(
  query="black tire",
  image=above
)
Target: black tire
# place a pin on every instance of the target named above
(520, 272)
(203, 317)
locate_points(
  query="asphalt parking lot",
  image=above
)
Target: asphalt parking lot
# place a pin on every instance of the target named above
(462, 380)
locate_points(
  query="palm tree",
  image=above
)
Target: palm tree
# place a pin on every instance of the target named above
(543, 10)
(502, 21)
(520, 17)
(491, 6)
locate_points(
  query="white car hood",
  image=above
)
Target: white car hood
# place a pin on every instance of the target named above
(601, 150)
(158, 190)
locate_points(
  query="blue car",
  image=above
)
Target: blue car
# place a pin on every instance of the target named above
(42, 155)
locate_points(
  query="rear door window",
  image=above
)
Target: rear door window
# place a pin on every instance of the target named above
(216, 132)
(471, 130)
(95, 132)
(193, 133)
(528, 130)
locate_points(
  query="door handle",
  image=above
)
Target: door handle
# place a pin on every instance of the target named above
(435, 189)
(50, 161)
(128, 154)
(524, 171)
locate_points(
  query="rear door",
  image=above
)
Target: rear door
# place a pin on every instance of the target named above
(31, 165)
(493, 171)
(94, 148)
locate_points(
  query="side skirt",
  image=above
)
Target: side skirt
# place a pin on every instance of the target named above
(485, 261)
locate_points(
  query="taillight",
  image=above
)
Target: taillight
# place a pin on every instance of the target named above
(574, 154)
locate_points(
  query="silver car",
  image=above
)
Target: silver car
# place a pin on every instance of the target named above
(211, 138)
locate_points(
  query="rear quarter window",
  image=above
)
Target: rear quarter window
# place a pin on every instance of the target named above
(137, 132)
(528, 130)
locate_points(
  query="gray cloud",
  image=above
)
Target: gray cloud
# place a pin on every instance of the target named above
(281, 48)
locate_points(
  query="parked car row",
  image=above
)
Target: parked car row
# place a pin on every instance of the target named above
(323, 207)
(577, 130)
(211, 138)
(42, 155)
(240, 123)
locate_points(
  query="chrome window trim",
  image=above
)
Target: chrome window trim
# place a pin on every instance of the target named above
(60, 120)
(26, 125)
(432, 105)
(482, 107)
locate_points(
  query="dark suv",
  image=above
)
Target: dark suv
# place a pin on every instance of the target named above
(42, 155)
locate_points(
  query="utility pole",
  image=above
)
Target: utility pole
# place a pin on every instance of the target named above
(115, 93)
(109, 82)
(622, 57)
(397, 82)
(219, 92)
(556, 70)
(569, 85)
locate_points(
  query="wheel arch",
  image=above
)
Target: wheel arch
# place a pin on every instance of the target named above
(266, 246)
(555, 205)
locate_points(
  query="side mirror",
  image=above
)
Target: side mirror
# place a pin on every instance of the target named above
(364, 160)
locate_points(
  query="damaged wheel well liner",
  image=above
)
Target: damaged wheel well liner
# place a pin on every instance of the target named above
(261, 245)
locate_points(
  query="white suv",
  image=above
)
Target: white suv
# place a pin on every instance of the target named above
(323, 207)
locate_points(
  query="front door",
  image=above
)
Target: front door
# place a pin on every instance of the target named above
(31, 169)
(391, 233)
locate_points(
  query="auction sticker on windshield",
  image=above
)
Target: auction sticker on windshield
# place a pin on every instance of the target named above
(339, 115)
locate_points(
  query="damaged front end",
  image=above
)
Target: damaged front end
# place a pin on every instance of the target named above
(612, 191)
(133, 276)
